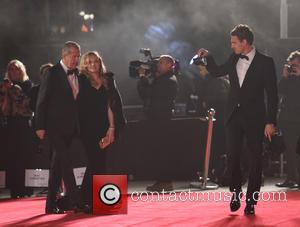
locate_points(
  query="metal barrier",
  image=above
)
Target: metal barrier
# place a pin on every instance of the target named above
(203, 180)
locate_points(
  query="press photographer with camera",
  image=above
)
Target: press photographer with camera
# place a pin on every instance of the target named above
(158, 90)
(289, 120)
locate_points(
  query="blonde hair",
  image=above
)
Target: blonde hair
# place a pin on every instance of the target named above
(83, 67)
(21, 67)
(294, 55)
(203, 70)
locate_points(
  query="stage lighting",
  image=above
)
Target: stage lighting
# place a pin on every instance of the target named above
(87, 22)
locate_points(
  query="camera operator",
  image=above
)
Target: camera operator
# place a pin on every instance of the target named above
(289, 120)
(158, 97)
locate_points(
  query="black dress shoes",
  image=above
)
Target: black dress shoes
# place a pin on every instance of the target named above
(88, 209)
(235, 202)
(54, 210)
(249, 209)
(159, 186)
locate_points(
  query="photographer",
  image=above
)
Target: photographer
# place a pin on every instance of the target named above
(158, 97)
(212, 92)
(289, 87)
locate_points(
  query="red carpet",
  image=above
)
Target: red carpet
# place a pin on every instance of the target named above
(30, 212)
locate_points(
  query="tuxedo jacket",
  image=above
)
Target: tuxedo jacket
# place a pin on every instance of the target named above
(260, 79)
(56, 109)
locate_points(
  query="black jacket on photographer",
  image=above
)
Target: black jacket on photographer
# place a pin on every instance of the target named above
(290, 109)
(158, 95)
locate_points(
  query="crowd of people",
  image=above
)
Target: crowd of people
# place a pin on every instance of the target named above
(78, 98)
(68, 104)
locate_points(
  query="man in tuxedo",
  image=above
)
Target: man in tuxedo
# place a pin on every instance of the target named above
(251, 75)
(57, 117)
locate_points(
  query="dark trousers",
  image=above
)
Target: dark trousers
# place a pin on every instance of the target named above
(161, 149)
(291, 133)
(238, 129)
(62, 168)
(18, 145)
(96, 165)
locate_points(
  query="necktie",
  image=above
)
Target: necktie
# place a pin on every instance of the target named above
(244, 57)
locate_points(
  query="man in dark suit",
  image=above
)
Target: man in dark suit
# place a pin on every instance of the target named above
(251, 75)
(57, 116)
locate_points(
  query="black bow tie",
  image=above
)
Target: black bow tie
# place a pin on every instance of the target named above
(244, 57)
(72, 71)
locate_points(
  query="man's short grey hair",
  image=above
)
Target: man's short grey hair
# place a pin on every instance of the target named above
(68, 46)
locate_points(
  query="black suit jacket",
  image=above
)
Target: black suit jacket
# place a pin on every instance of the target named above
(290, 107)
(260, 79)
(56, 110)
(158, 96)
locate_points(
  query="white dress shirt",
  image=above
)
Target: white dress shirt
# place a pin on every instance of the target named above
(73, 80)
(242, 66)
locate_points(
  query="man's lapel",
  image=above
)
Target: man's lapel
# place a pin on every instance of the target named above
(235, 75)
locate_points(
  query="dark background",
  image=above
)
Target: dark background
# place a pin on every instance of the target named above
(34, 31)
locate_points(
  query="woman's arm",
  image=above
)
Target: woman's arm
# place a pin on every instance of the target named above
(110, 134)
(111, 130)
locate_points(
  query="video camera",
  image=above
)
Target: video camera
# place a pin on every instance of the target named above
(150, 64)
